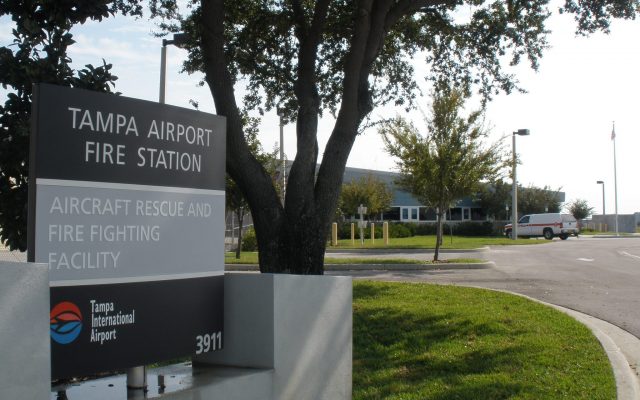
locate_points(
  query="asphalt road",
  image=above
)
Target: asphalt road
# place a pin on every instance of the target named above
(599, 277)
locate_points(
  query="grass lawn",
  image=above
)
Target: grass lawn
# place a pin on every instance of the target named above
(420, 341)
(429, 242)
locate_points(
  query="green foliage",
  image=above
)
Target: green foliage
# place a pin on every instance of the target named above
(399, 230)
(38, 53)
(579, 208)
(450, 161)
(533, 200)
(369, 191)
(263, 44)
(250, 242)
(494, 198)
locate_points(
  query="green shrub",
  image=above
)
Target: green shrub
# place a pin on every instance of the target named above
(469, 228)
(399, 230)
(424, 229)
(249, 240)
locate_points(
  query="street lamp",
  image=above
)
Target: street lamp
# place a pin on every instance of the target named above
(514, 197)
(179, 40)
(603, 208)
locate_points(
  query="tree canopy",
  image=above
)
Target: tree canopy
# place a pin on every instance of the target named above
(369, 191)
(579, 208)
(534, 200)
(38, 53)
(347, 57)
(449, 162)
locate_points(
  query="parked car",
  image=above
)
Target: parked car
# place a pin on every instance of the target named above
(547, 225)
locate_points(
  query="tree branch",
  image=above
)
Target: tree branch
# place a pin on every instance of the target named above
(302, 175)
(245, 170)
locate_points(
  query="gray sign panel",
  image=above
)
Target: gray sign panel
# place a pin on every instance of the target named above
(119, 232)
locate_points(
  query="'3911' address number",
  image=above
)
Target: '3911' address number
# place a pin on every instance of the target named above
(208, 342)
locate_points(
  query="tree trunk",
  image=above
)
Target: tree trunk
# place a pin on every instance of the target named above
(298, 248)
(292, 239)
(436, 253)
(240, 215)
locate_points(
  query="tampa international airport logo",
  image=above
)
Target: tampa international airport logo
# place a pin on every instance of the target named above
(66, 322)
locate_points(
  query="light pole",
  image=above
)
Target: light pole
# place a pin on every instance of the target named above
(603, 208)
(137, 376)
(514, 197)
(615, 175)
(179, 39)
(283, 166)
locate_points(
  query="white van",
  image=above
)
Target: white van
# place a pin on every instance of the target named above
(547, 225)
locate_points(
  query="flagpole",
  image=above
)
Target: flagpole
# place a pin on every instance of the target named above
(615, 174)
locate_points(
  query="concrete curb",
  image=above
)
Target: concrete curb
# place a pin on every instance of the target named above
(379, 267)
(331, 250)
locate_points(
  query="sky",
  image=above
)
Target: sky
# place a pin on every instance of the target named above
(582, 86)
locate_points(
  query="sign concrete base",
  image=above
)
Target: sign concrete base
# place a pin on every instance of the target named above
(299, 326)
(287, 337)
(25, 363)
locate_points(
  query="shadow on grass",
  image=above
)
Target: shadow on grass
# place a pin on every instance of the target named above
(415, 353)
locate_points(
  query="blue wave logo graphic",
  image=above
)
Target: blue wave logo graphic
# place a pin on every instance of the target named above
(65, 322)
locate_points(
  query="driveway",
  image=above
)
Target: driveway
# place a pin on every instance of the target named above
(599, 277)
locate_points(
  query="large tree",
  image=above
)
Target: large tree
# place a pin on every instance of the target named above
(368, 191)
(447, 163)
(347, 57)
(579, 208)
(495, 198)
(534, 200)
(38, 53)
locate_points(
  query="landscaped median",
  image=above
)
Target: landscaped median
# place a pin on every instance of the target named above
(429, 242)
(248, 261)
(422, 341)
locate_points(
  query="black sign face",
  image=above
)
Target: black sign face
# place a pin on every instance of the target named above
(126, 206)
(110, 327)
(89, 136)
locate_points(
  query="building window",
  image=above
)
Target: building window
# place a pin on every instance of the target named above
(409, 213)
(393, 214)
(454, 214)
(428, 214)
(478, 214)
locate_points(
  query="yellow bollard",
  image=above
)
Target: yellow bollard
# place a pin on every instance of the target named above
(353, 234)
(373, 233)
(334, 234)
(385, 233)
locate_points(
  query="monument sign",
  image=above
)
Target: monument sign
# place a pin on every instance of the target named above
(126, 206)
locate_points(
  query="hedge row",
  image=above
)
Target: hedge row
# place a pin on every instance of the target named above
(398, 230)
